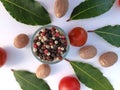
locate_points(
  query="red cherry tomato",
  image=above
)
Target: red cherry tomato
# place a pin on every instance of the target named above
(3, 57)
(77, 36)
(69, 83)
(119, 2)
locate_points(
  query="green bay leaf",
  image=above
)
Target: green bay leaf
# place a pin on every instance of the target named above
(91, 8)
(29, 81)
(110, 33)
(27, 11)
(91, 76)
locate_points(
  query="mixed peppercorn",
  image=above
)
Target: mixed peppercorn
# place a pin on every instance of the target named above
(50, 44)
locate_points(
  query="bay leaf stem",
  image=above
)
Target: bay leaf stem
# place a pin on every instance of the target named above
(12, 70)
(90, 31)
(67, 59)
(68, 20)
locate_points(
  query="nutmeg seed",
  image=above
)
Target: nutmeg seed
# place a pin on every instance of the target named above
(60, 7)
(87, 52)
(108, 59)
(43, 71)
(21, 41)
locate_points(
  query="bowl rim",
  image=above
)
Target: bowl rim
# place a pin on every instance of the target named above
(67, 48)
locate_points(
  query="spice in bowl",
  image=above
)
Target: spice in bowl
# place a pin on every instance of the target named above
(50, 44)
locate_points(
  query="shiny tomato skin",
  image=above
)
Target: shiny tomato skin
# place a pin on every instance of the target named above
(119, 2)
(3, 56)
(69, 83)
(77, 36)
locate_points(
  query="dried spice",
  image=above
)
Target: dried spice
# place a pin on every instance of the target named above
(21, 40)
(49, 44)
(87, 52)
(60, 7)
(43, 71)
(108, 59)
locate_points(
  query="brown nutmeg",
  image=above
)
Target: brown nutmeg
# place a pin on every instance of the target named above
(21, 41)
(60, 7)
(43, 71)
(87, 52)
(108, 59)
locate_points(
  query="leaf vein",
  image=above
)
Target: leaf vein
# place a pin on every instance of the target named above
(27, 81)
(22, 8)
(117, 35)
(87, 10)
(89, 75)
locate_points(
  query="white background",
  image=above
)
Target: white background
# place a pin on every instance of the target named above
(23, 59)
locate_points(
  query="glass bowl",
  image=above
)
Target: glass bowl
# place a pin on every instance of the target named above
(50, 44)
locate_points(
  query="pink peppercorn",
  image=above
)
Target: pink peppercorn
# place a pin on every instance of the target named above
(35, 46)
(51, 43)
(45, 51)
(57, 34)
(63, 37)
(59, 50)
(43, 34)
